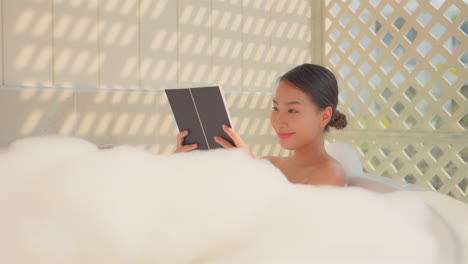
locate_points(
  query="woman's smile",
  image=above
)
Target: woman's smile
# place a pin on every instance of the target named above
(283, 135)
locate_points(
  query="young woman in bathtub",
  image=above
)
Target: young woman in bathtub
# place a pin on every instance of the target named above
(304, 107)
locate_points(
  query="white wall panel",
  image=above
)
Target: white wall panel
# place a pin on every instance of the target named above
(290, 42)
(93, 117)
(76, 43)
(195, 51)
(158, 44)
(1, 44)
(227, 44)
(257, 32)
(119, 44)
(35, 112)
(28, 43)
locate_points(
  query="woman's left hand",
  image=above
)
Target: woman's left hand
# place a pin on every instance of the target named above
(235, 137)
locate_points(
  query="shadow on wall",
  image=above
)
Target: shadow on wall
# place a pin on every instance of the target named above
(111, 118)
(130, 44)
(96, 69)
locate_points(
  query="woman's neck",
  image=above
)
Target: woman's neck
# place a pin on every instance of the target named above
(310, 154)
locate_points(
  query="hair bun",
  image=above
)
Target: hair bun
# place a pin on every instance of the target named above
(338, 120)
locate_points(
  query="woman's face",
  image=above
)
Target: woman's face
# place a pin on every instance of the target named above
(295, 118)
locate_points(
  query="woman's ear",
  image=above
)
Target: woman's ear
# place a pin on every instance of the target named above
(327, 114)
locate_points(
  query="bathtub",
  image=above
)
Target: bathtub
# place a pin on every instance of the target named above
(449, 221)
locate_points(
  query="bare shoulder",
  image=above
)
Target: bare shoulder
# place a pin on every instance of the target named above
(330, 173)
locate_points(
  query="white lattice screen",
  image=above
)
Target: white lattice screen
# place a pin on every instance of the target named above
(402, 68)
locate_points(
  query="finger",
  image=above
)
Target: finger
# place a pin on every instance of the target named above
(181, 136)
(234, 136)
(223, 142)
(231, 133)
(190, 147)
(186, 148)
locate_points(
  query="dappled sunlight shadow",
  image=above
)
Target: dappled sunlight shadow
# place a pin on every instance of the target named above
(195, 47)
(97, 69)
(140, 118)
(28, 112)
(29, 57)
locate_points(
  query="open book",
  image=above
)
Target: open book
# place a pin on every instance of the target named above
(203, 111)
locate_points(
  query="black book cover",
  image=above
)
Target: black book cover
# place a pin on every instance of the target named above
(202, 110)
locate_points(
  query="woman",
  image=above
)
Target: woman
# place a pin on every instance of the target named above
(304, 107)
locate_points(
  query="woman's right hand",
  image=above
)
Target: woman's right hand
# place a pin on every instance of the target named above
(180, 143)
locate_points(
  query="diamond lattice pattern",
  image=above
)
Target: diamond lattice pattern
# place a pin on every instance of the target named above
(402, 68)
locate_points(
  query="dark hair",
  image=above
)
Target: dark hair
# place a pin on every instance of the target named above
(320, 84)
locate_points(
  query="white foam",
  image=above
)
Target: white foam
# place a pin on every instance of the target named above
(125, 205)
